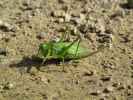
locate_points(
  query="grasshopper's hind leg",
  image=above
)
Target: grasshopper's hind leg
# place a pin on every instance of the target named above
(66, 48)
(69, 46)
(77, 46)
(48, 54)
(44, 60)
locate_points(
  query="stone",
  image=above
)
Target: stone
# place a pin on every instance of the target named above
(67, 17)
(41, 35)
(9, 85)
(106, 78)
(33, 71)
(3, 51)
(58, 13)
(82, 18)
(4, 26)
(108, 89)
(95, 93)
(88, 73)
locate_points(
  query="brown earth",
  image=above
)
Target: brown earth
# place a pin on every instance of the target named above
(107, 75)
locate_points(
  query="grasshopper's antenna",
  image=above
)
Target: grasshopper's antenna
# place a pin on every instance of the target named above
(79, 36)
(65, 35)
(101, 48)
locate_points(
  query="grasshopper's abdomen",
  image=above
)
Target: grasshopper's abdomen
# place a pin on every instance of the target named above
(74, 52)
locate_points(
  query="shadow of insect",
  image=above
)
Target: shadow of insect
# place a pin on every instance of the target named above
(26, 64)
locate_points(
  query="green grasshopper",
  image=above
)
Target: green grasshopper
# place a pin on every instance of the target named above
(63, 50)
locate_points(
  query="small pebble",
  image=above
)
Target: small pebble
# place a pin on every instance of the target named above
(102, 99)
(130, 98)
(6, 26)
(95, 93)
(9, 86)
(121, 87)
(67, 17)
(41, 35)
(106, 78)
(44, 79)
(88, 73)
(61, 1)
(83, 28)
(58, 13)
(100, 27)
(82, 18)
(60, 20)
(75, 20)
(108, 64)
(3, 51)
(108, 89)
(1, 36)
(33, 71)
(132, 75)
(6, 39)
(45, 97)
(1, 88)
(55, 96)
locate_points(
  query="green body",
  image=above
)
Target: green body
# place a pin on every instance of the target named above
(62, 50)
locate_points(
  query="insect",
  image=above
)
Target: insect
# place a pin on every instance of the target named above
(63, 50)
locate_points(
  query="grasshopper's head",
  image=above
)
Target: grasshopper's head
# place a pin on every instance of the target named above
(41, 46)
(43, 49)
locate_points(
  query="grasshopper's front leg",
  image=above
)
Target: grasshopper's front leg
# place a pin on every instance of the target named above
(49, 53)
(65, 49)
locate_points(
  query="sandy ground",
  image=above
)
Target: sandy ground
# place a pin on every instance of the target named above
(107, 75)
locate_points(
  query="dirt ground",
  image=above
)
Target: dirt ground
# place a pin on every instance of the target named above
(107, 75)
